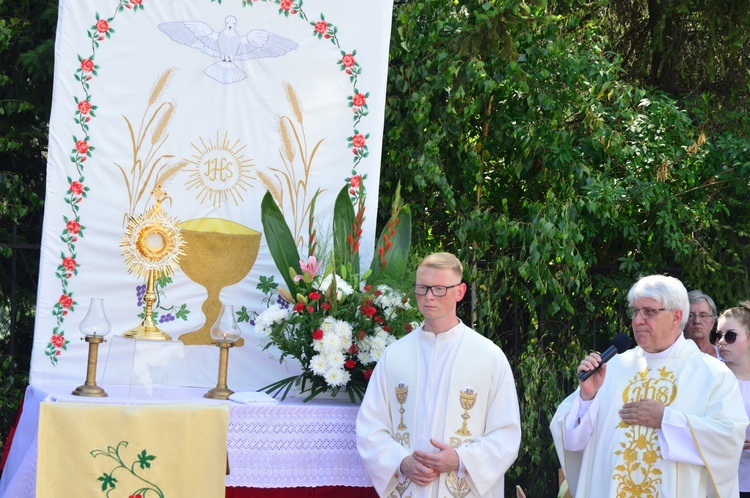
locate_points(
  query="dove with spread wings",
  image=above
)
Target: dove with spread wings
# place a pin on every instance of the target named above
(227, 45)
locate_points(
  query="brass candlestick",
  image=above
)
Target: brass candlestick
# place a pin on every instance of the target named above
(94, 327)
(225, 332)
(221, 391)
(89, 388)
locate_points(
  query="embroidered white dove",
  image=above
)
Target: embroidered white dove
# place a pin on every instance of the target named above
(227, 45)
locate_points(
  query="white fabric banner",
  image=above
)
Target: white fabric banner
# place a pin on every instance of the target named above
(217, 101)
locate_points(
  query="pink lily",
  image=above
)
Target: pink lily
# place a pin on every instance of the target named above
(309, 269)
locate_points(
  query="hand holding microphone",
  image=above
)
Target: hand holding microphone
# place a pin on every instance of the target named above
(620, 344)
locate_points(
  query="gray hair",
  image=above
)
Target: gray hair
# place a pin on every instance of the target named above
(696, 296)
(667, 290)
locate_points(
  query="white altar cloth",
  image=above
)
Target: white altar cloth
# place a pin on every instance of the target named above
(289, 444)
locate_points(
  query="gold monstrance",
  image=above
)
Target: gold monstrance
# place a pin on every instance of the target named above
(152, 246)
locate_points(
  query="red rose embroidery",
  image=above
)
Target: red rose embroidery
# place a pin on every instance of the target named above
(87, 65)
(358, 141)
(66, 301)
(286, 4)
(318, 334)
(76, 188)
(82, 147)
(84, 106)
(73, 226)
(359, 100)
(355, 180)
(348, 60)
(102, 26)
(321, 27)
(136, 2)
(57, 340)
(69, 264)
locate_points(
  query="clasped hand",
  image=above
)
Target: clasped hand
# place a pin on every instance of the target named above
(423, 467)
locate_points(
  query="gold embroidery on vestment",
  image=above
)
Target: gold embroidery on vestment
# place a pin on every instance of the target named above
(403, 438)
(402, 390)
(638, 473)
(458, 488)
(467, 398)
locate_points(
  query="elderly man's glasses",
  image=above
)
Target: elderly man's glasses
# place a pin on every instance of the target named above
(703, 317)
(645, 312)
(729, 337)
(437, 290)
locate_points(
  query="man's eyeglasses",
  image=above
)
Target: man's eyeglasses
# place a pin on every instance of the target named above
(702, 316)
(729, 337)
(645, 312)
(437, 290)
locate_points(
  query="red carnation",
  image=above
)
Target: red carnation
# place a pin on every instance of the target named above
(318, 334)
(368, 374)
(298, 307)
(350, 364)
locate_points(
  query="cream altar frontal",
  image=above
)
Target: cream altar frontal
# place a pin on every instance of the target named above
(170, 123)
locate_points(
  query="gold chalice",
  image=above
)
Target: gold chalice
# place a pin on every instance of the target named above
(218, 253)
(402, 391)
(468, 397)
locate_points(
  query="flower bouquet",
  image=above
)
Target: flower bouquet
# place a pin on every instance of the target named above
(335, 320)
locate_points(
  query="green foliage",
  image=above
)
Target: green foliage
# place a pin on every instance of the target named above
(557, 182)
(12, 386)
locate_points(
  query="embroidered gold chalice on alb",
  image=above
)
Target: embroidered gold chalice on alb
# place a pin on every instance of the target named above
(402, 390)
(468, 397)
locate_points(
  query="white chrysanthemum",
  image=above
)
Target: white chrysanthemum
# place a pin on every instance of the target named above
(342, 288)
(390, 301)
(273, 314)
(337, 377)
(318, 364)
(371, 347)
(335, 359)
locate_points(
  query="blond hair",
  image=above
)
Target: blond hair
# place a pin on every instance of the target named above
(443, 261)
(741, 313)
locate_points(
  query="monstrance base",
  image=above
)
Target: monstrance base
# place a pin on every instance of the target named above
(150, 333)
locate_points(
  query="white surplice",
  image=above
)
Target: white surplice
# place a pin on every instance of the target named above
(692, 456)
(421, 389)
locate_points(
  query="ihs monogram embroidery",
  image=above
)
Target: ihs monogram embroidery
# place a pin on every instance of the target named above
(638, 473)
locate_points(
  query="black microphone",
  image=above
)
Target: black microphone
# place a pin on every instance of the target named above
(620, 344)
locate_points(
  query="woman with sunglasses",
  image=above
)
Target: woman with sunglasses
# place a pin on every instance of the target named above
(733, 340)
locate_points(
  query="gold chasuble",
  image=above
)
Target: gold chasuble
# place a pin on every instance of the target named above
(627, 461)
(457, 388)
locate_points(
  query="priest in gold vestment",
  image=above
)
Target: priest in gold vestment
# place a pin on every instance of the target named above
(440, 417)
(660, 420)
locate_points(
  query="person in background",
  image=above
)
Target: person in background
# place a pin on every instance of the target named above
(662, 419)
(733, 339)
(440, 416)
(701, 322)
